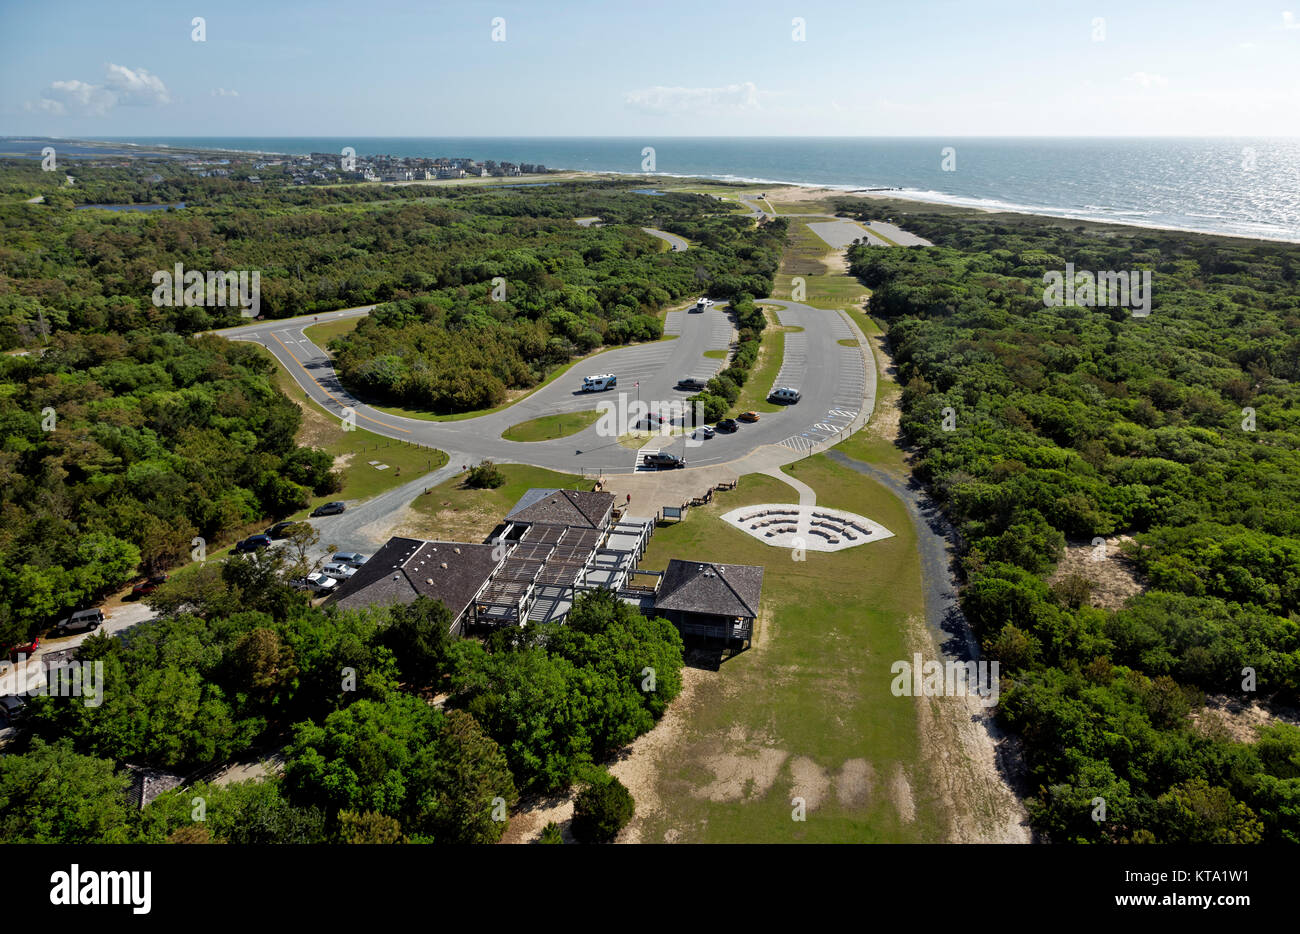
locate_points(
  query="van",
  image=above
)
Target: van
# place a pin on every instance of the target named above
(785, 394)
(599, 383)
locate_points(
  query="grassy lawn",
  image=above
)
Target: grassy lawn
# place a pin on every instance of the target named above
(848, 342)
(452, 512)
(549, 427)
(322, 334)
(717, 354)
(808, 710)
(753, 395)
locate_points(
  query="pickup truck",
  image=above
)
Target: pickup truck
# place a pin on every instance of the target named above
(80, 621)
(660, 459)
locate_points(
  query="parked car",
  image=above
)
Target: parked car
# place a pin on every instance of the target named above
(277, 530)
(785, 395)
(318, 582)
(663, 459)
(351, 558)
(748, 416)
(692, 385)
(329, 509)
(253, 543)
(24, 648)
(81, 621)
(727, 424)
(705, 431)
(149, 585)
(338, 571)
(12, 709)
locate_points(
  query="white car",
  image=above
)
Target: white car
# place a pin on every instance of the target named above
(319, 583)
(338, 571)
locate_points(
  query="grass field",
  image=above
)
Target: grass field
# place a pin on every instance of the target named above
(549, 427)
(753, 395)
(452, 512)
(808, 710)
(717, 354)
(322, 334)
(826, 283)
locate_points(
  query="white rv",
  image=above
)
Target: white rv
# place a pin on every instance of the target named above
(599, 383)
(702, 303)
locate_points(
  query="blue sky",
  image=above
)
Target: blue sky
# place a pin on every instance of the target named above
(866, 68)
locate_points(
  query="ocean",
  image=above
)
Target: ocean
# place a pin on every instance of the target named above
(1243, 186)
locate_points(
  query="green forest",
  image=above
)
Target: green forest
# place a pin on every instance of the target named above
(481, 290)
(239, 663)
(1036, 428)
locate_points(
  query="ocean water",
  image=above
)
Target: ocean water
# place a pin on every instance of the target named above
(1243, 186)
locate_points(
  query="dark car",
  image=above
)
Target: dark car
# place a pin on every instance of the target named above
(24, 648)
(692, 385)
(253, 543)
(81, 621)
(149, 585)
(329, 509)
(661, 459)
(12, 709)
(727, 424)
(278, 530)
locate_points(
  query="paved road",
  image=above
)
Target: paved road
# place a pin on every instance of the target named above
(678, 244)
(832, 394)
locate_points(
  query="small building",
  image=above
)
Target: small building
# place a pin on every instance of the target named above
(717, 601)
(407, 568)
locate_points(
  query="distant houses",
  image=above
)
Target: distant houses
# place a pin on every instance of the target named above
(552, 546)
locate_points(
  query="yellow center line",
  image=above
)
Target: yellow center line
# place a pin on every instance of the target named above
(339, 402)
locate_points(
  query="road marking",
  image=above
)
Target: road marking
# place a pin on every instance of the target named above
(331, 395)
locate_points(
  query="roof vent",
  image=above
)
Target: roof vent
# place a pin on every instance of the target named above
(443, 565)
(428, 580)
(457, 550)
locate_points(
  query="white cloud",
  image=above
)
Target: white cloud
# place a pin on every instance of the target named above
(1289, 21)
(222, 92)
(122, 85)
(661, 100)
(1148, 81)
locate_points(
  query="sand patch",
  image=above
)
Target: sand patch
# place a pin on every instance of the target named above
(1114, 578)
(810, 781)
(1239, 720)
(900, 792)
(531, 818)
(739, 775)
(853, 783)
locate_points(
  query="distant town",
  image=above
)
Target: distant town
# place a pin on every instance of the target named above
(323, 168)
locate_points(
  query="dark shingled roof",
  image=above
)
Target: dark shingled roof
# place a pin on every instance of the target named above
(406, 568)
(715, 589)
(562, 507)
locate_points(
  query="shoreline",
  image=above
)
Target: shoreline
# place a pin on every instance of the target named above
(815, 189)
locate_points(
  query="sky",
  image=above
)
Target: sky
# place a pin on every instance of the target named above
(663, 68)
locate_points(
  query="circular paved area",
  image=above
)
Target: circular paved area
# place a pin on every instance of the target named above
(812, 528)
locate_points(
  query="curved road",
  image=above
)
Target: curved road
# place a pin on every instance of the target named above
(833, 395)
